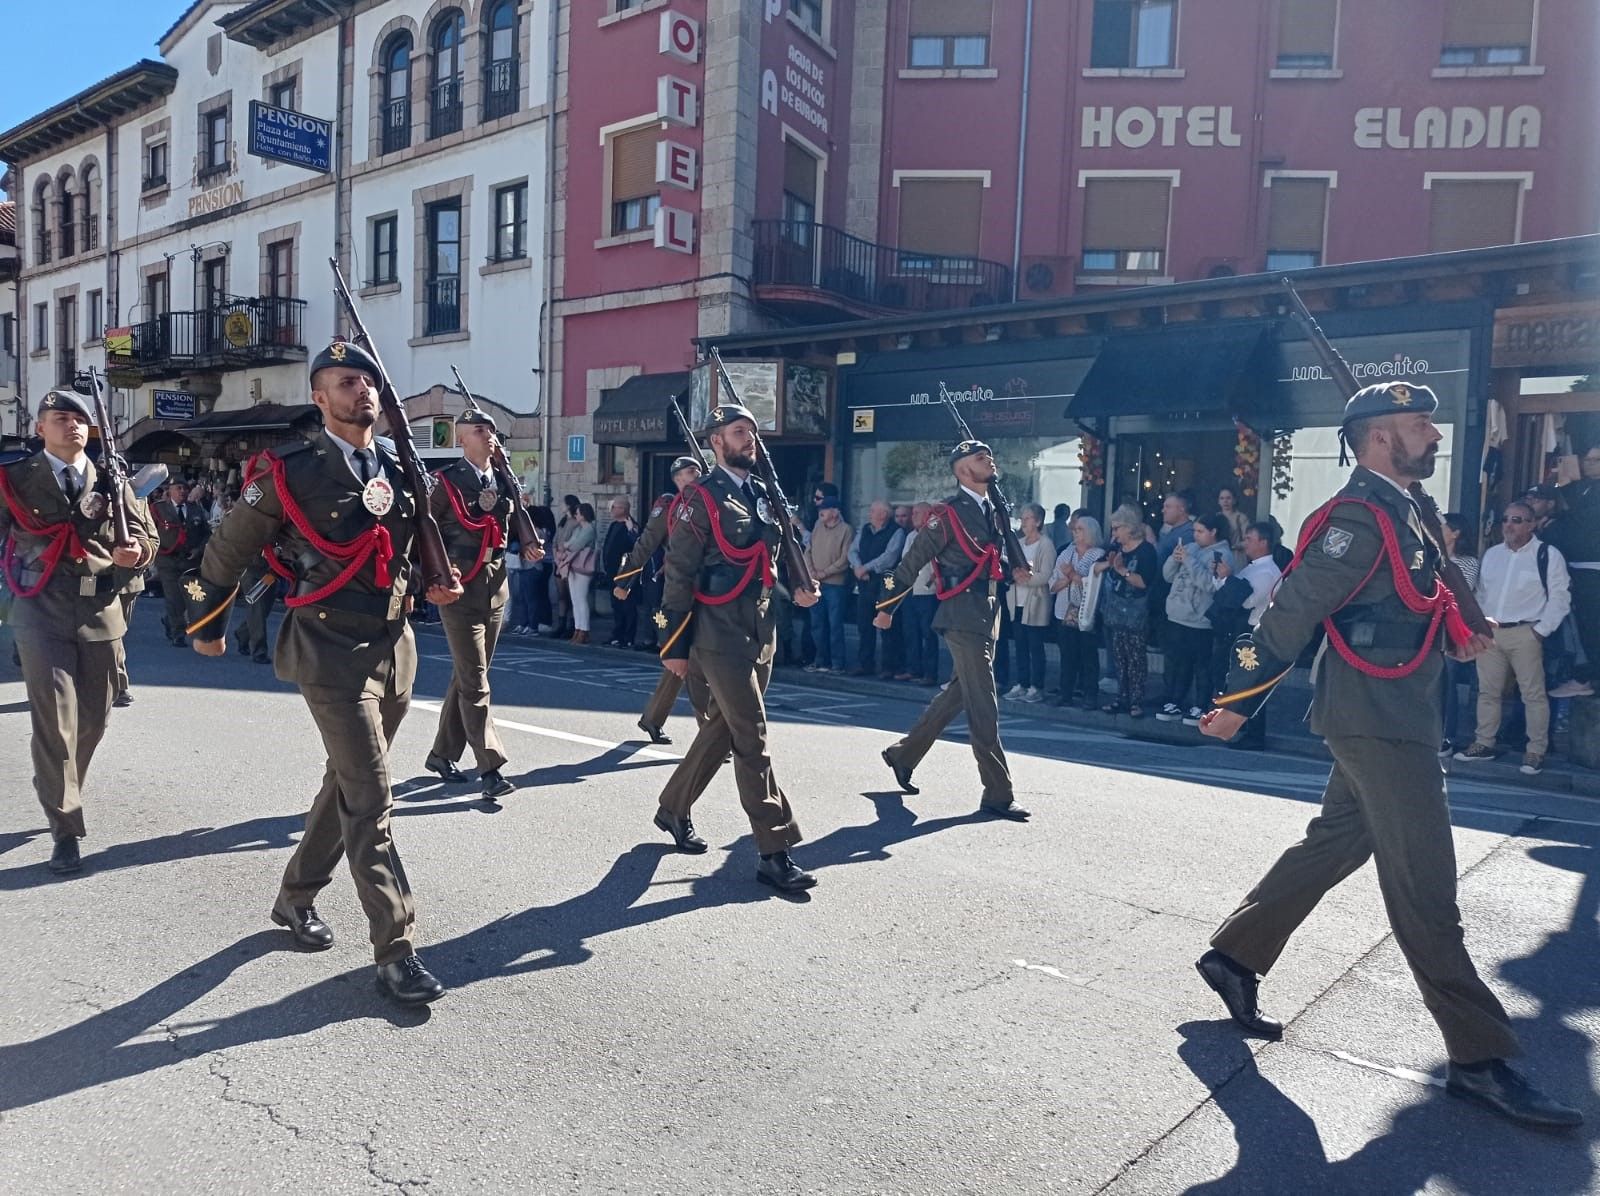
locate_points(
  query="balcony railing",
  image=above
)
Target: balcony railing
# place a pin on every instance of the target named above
(835, 265)
(500, 89)
(444, 304)
(444, 107)
(397, 124)
(237, 333)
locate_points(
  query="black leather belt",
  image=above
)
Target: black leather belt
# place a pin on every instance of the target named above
(372, 605)
(1509, 626)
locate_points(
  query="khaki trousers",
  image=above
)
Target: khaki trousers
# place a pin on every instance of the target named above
(1517, 653)
(737, 719)
(70, 685)
(971, 690)
(1385, 799)
(351, 813)
(127, 601)
(170, 571)
(466, 717)
(665, 698)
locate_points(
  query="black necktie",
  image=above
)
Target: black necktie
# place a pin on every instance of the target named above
(183, 511)
(69, 483)
(749, 495)
(363, 466)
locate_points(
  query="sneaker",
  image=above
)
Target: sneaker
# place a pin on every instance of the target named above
(1014, 693)
(1532, 764)
(1192, 719)
(1032, 695)
(1573, 689)
(811, 668)
(1170, 712)
(1478, 751)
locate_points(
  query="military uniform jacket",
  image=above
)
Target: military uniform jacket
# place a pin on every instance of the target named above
(487, 591)
(193, 531)
(351, 635)
(80, 599)
(1331, 579)
(653, 537)
(696, 564)
(976, 608)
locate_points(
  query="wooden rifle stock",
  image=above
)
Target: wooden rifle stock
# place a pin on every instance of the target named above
(1339, 369)
(431, 553)
(111, 463)
(521, 521)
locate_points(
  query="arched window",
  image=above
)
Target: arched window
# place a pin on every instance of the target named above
(42, 218)
(67, 217)
(90, 206)
(397, 93)
(501, 82)
(445, 59)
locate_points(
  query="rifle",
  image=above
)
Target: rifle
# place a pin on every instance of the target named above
(1002, 506)
(435, 561)
(695, 451)
(111, 463)
(799, 572)
(1339, 369)
(521, 522)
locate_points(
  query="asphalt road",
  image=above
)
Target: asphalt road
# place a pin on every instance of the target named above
(961, 1005)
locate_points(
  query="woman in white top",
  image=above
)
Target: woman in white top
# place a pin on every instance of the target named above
(1078, 641)
(1028, 606)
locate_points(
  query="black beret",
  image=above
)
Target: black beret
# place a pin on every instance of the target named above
(687, 463)
(1389, 398)
(65, 400)
(968, 448)
(347, 354)
(471, 416)
(724, 414)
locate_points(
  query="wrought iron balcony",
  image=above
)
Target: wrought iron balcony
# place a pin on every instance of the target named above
(444, 107)
(443, 304)
(500, 89)
(397, 124)
(818, 270)
(237, 333)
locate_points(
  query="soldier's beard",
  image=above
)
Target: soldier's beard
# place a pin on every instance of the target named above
(739, 460)
(1406, 466)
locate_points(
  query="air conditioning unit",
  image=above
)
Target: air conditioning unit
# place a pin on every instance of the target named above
(1044, 277)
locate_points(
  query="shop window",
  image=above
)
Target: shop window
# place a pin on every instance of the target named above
(1297, 211)
(1471, 213)
(510, 222)
(939, 224)
(799, 194)
(1306, 32)
(1487, 32)
(385, 261)
(1125, 225)
(950, 33)
(1134, 34)
(634, 194)
(809, 13)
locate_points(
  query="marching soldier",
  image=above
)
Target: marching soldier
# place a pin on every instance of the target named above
(962, 538)
(685, 472)
(1369, 575)
(341, 524)
(184, 531)
(719, 621)
(66, 574)
(475, 517)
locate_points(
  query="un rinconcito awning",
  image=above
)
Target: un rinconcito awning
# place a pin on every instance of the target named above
(1204, 368)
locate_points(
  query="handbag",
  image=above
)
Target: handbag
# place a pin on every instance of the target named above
(583, 561)
(1122, 608)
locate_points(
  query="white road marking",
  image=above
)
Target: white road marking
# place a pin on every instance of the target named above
(1057, 973)
(1401, 1073)
(568, 736)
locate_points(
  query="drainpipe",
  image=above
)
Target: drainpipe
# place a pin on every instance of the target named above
(1022, 150)
(546, 331)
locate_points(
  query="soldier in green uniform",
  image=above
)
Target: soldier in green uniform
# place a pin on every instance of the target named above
(719, 622)
(340, 520)
(962, 538)
(1368, 573)
(685, 472)
(184, 531)
(474, 516)
(66, 574)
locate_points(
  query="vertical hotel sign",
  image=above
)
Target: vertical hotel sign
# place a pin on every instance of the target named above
(678, 105)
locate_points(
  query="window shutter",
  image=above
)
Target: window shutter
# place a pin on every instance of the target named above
(1126, 214)
(1296, 210)
(1470, 213)
(941, 216)
(1488, 22)
(799, 172)
(950, 18)
(633, 164)
(1306, 26)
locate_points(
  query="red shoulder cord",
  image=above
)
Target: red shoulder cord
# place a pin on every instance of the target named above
(490, 533)
(374, 542)
(985, 563)
(752, 558)
(1440, 605)
(162, 524)
(63, 538)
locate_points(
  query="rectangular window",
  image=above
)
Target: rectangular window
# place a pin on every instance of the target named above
(1471, 213)
(634, 195)
(66, 341)
(1125, 225)
(510, 222)
(1487, 32)
(385, 264)
(214, 132)
(8, 333)
(443, 287)
(1134, 33)
(809, 12)
(1306, 31)
(1297, 212)
(280, 270)
(939, 223)
(156, 296)
(799, 193)
(281, 94)
(950, 33)
(95, 314)
(155, 165)
(41, 327)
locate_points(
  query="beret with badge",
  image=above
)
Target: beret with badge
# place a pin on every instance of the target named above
(1384, 398)
(968, 448)
(65, 400)
(476, 416)
(724, 414)
(347, 354)
(686, 463)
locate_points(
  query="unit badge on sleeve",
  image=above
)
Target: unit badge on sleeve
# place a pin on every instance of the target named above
(1337, 542)
(1248, 660)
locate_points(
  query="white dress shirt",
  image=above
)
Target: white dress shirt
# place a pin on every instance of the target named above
(80, 471)
(1508, 587)
(1262, 574)
(349, 451)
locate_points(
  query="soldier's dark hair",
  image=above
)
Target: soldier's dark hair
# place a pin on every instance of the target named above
(1358, 431)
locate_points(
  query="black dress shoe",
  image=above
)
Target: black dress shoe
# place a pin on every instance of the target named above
(657, 735)
(408, 982)
(446, 769)
(64, 858)
(495, 785)
(682, 832)
(1013, 812)
(902, 774)
(1499, 1087)
(261, 658)
(180, 642)
(309, 930)
(125, 698)
(783, 874)
(1237, 985)
(240, 645)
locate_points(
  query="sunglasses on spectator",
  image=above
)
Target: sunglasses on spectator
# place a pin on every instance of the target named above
(1516, 519)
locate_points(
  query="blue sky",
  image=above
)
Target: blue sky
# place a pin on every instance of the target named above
(56, 48)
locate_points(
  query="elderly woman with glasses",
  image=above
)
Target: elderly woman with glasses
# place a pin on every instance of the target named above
(1077, 639)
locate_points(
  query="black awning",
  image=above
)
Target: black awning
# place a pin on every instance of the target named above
(638, 411)
(1199, 369)
(262, 417)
